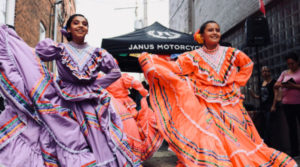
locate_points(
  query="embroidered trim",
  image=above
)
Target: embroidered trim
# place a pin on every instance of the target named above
(88, 67)
(98, 92)
(249, 152)
(216, 59)
(211, 77)
(79, 56)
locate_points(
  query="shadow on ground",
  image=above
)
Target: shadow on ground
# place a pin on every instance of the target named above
(162, 158)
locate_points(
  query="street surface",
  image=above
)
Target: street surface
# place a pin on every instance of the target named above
(165, 158)
(162, 158)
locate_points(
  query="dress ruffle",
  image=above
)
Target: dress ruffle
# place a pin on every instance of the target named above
(139, 125)
(227, 95)
(140, 128)
(219, 75)
(41, 150)
(78, 92)
(89, 68)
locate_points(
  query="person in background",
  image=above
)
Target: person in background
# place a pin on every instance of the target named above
(267, 96)
(138, 125)
(198, 105)
(289, 82)
(81, 91)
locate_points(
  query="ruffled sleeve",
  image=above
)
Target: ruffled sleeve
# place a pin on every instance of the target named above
(130, 82)
(48, 50)
(246, 66)
(109, 66)
(185, 64)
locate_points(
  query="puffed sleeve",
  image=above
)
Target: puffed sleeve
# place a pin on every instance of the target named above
(185, 64)
(110, 67)
(48, 50)
(131, 82)
(246, 66)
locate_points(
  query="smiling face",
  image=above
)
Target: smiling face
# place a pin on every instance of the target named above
(211, 35)
(78, 29)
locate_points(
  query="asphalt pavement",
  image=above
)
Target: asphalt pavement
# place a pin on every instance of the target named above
(165, 158)
(162, 158)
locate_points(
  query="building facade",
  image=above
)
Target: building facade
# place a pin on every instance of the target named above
(35, 20)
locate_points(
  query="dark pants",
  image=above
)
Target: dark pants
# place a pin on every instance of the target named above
(266, 127)
(292, 113)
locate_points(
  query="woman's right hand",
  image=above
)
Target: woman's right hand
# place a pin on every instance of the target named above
(273, 108)
(277, 85)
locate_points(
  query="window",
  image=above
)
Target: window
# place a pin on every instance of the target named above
(42, 31)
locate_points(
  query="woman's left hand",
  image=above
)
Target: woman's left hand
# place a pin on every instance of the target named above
(289, 85)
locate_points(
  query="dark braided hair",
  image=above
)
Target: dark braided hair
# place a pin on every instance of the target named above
(203, 26)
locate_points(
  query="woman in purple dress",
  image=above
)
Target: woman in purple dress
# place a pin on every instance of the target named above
(73, 110)
(34, 131)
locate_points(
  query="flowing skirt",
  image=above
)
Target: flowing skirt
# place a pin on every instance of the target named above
(39, 127)
(139, 126)
(204, 133)
(33, 131)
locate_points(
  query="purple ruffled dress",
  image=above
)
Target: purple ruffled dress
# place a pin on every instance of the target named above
(58, 122)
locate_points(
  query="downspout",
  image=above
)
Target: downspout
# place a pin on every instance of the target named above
(50, 18)
(55, 20)
(10, 12)
(55, 30)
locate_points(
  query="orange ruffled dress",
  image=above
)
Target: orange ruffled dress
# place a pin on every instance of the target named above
(139, 126)
(199, 111)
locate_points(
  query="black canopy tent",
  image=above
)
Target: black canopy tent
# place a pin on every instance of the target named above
(155, 39)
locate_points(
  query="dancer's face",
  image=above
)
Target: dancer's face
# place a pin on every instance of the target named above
(211, 35)
(78, 28)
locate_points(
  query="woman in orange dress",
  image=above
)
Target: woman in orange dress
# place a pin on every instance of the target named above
(139, 126)
(198, 105)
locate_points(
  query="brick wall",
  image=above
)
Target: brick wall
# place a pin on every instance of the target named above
(28, 15)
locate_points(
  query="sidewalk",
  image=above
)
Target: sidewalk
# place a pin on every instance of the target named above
(165, 158)
(162, 158)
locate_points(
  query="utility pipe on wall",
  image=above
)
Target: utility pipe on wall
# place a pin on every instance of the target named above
(10, 12)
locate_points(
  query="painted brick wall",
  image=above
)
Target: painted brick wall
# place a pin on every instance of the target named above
(226, 13)
(179, 15)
